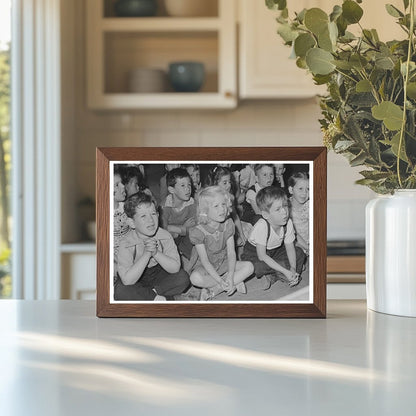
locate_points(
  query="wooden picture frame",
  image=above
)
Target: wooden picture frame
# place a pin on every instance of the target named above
(312, 303)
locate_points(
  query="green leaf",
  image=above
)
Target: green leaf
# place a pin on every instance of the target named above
(342, 25)
(374, 150)
(358, 61)
(333, 32)
(362, 99)
(287, 33)
(394, 143)
(347, 37)
(351, 11)
(319, 61)
(316, 20)
(368, 36)
(303, 43)
(284, 13)
(412, 67)
(375, 35)
(393, 11)
(353, 130)
(336, 12)
(374, 175)
(365, 182)
(325, 42)
(359, 160)
(343, 145)
(301, 63)
(406, 4)
(345, 65)
(411, 90)
(384, 62)
(396, 70)
(301, 15)
(276, 4)
(321, 79)
(391, 114)
(363, 86)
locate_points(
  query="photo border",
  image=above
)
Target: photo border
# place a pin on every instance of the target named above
(261, 309)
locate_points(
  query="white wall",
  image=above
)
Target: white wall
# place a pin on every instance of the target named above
(259, 123)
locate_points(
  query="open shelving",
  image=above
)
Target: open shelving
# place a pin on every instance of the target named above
(117, 45)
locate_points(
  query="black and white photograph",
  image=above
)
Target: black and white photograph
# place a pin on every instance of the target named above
(211, 231)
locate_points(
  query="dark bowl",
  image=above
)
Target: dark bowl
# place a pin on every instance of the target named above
(186, 76)
(135, 8)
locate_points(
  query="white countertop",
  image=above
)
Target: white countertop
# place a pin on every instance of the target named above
(57, 358)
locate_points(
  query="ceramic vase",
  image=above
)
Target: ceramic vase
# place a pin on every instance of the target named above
(391, 253)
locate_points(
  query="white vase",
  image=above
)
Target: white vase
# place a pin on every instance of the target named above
(391, 253)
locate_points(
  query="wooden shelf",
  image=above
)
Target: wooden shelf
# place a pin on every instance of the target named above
(164, 100)
(160, 24)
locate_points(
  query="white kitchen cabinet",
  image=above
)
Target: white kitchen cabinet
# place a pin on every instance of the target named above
(265, 70)
(117, 45)
(78, 271)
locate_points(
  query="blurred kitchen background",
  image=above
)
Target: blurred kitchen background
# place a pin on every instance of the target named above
(252, 95)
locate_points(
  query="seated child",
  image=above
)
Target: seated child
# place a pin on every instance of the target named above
(279, 170)
(178, 210)
(264, 177)
(217, 269)
(270, 245)
(299, 208)
(221, 176)
(133, 180)
(120, 221)
(195, 174)
(163, 184)
(149, 266)
(247, 178)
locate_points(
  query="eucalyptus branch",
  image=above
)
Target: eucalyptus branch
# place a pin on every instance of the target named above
(345, 75)
(392, 91)
(406, 78)
(374, 92)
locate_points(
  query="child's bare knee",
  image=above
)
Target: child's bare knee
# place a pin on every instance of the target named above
(249, 267)
(196, 278)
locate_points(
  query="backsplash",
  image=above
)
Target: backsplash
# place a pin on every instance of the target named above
(271, 123)
(253, 123)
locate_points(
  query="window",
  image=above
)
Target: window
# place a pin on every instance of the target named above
(5, 147)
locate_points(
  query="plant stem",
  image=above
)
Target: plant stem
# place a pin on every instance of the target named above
(406, 78)
(346, 75)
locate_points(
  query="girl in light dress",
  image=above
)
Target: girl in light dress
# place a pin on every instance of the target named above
(217, 268)
(298, 186)
(222, 177)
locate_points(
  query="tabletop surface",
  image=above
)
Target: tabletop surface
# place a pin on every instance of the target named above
(57, 358)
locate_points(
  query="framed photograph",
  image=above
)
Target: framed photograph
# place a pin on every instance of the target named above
(211, 232)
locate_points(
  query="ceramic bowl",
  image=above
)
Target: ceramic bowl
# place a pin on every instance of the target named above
(135, 8)
(191, 8)
(147, 80)
(186, 76)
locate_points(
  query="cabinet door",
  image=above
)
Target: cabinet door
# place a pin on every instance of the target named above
(266, 71)
(78, 276)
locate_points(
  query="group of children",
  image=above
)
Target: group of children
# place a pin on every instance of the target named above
(211, 234)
